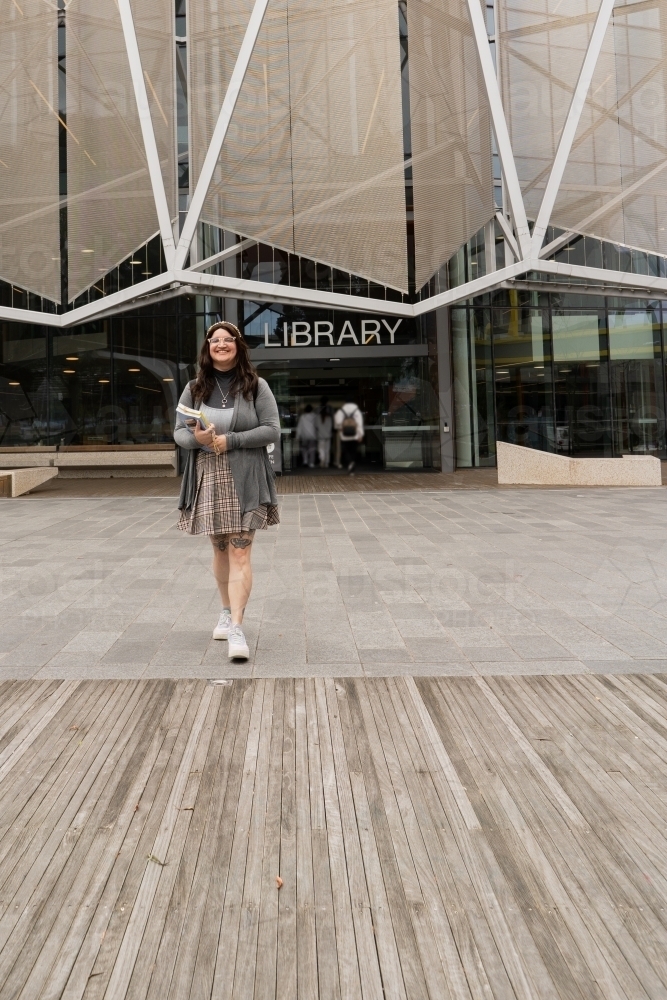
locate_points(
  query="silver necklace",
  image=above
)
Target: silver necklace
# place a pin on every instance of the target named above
(224, 395)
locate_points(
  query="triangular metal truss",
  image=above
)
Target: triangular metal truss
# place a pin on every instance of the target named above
(525, 241)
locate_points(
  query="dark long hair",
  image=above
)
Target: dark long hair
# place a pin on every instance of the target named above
(245, 380)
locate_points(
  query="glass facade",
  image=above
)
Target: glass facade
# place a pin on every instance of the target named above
(116, 382)
(574, 374)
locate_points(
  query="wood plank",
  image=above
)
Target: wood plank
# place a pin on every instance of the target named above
(31, 727)
(413, 908)
(267, 935)
(201, 924)
(326, 951)
(226, 958)
(46, 829)
(44, 888)
(525, 968)
(353, 933)
(420, 836)
(246, 953)
(544, 835)
(36, 783)
(130, 866)
(386, 943)
(66, 940)
(557, 946)
(159, 856)
(217, 873)
(197, 808)
(307, 979)
(588, 886)
(286, 974)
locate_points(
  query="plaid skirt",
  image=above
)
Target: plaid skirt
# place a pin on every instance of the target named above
(216, 509)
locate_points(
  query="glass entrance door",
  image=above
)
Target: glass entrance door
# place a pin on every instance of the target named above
(396, 397)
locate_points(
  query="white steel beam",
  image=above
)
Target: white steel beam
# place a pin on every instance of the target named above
(510, 174)
(193, 283)
(508, 234)
(220, 132)
(133, 294)
(571, 124)
(148, 134)
(216, 258)
(265, 291)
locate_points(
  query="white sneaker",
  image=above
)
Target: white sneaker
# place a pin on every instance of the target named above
(238, 647)
(221, 630)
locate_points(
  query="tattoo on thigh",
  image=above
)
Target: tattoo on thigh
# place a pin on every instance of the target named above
(221, 542)
(241, 541)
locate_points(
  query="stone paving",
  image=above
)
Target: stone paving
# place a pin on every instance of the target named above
(419, 583)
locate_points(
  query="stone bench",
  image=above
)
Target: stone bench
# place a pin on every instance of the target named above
(16, 482)
(87, 462)
(519, 466)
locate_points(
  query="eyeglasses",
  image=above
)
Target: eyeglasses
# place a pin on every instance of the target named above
(223, 340)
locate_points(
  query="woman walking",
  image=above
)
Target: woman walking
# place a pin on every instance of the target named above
(228, 489)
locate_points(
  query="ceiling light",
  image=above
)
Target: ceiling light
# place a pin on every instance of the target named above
(167, 380)
(72, 358)
(87, 251)
(147, 272)
(334, 359)
(68, 371)
(134, 369)
(104, 381)
(136, 262)
(14, 383)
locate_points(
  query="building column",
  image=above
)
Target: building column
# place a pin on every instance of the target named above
(445, 390)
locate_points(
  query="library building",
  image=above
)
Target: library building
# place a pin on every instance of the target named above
(451, 213)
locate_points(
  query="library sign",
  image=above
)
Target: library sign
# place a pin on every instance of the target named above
(347, 333)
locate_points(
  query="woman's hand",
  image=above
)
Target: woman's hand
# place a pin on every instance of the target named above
(205, 437)
(219, 443)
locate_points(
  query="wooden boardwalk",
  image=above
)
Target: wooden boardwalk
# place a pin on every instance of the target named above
(460, 838)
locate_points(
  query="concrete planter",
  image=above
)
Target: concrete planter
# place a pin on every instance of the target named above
(519, 466)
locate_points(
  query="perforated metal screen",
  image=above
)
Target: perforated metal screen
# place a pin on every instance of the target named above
(451, 133)
(313, 161)
(29, 198)
(615, 183)
(111, 209)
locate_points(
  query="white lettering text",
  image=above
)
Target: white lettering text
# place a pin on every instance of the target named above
(393, 330)
(301, 330)
(350, 335)
(323, 329)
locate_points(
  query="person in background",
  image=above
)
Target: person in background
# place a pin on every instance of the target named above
(324, 423)
(306, 433)
(349, 423)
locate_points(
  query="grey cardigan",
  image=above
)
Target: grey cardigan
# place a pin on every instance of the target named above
(255, 424)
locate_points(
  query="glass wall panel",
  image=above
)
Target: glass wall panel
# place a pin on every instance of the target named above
(82, 410)
(636, 381)
(145, 379)
(524, 388)
(581, 382)
(23, 386)
(473, 388)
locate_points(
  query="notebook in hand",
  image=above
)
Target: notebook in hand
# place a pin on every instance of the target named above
(190, 414)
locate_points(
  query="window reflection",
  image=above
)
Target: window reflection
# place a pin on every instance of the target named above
(23, 386)
(524, 389)
(636, 381)
(82, 410)
(145, 379)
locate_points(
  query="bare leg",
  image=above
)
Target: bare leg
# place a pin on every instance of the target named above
(232, 569)
(220, 545)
